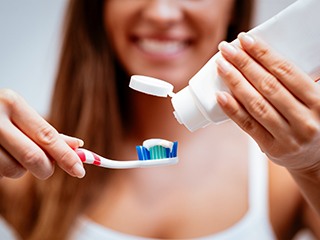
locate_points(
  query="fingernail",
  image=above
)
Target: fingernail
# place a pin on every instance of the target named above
(222, 98)
(80, 143)
(78, 170)
(246, 38)
(223, 65)
(227, 48)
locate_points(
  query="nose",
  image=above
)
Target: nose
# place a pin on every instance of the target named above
(163, 12)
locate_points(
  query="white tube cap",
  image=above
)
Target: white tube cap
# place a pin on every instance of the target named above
(152, 86)
(187, 112)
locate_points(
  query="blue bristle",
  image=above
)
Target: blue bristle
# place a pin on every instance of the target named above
(143, 153)
(174, 151)
(156, 152)
(146, 153)
(139, 152)
(167, 152)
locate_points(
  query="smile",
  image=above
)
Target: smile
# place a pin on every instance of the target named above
(163, 47)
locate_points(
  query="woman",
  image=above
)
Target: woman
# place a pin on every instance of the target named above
(216, 190)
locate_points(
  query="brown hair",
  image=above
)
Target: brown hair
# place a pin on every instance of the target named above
(83, 105)
(241, 18)
(86, 103)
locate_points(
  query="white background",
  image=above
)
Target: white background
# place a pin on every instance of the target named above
(29, 44)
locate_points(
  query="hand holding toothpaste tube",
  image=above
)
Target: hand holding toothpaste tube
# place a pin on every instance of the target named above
(274, 102)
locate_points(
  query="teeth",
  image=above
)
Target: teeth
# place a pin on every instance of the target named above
(163, 47)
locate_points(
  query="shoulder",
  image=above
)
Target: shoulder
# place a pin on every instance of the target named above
(281, 183)
(286, 202)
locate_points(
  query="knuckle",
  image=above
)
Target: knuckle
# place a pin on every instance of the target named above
(269, 86)
(259, 107)
(316, 108)
(293, 146)
(64, 160)
(282, 69)
(245, 121)
(244, 63)
(248, 124)
(262, 53)
(233, 112)
(46, 135)
(32, 158)
(310, 129)
(234, 83)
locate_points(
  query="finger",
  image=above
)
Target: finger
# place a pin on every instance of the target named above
(269, 87)
(298, 82)
(303, 121)
(25, 151)
(246, 122)
(44, 135)
(73, 142)
(9, 167)
(255, 104)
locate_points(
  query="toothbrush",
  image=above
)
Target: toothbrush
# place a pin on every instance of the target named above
(153, 152)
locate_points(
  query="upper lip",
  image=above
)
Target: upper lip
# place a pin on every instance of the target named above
(162, 36)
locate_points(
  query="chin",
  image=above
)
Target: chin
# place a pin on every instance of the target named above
(178, 78)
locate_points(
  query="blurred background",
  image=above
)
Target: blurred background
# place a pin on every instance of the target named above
(30, 41)
(29, 47)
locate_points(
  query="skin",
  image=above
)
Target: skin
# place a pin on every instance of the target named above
(42, 145)
(167, 39)
(207, 192)
(287, 99)
(197, 184)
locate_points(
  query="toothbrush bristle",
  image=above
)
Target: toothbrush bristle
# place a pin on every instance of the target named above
(143, 153)
(157, 152)
(174, 150)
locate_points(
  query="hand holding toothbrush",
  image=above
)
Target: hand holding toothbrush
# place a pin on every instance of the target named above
(28, 142)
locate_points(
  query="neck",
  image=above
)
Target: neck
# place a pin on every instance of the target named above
(154, 118)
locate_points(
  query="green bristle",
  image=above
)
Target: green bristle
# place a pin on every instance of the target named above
(157, 152)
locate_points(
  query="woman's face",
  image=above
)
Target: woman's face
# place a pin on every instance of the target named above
(166, 39)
